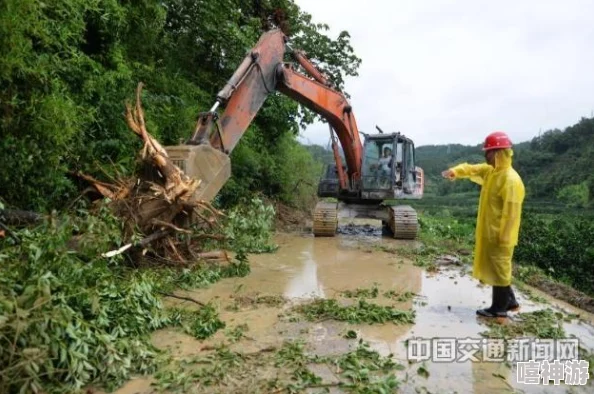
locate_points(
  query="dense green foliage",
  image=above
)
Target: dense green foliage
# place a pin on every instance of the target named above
(66, 68)
(248, 227)
(69, 317)
(362, 311)
(555, 166)
(559, 245)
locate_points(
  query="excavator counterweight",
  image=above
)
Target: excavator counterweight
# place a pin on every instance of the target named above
(380, 168)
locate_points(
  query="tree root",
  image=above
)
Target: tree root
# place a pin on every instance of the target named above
(157, 205)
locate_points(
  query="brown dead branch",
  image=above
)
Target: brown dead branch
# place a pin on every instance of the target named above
(174, 250)
(182, 298)
(218, 237)
(208, 206)
(177, 184)
(216, 255)
(161, 223)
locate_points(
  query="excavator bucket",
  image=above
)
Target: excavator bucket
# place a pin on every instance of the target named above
(205, 163)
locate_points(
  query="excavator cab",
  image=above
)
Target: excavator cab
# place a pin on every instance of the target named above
(388, 169)
(388, 172)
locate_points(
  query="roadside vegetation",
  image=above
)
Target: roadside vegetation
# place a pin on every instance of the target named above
(66, 69)
(70, 317)
(555, 252)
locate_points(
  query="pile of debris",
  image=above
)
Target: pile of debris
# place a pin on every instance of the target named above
(158, 203)
(161, 219)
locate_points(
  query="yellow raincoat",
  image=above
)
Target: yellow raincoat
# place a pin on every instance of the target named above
(499, 215)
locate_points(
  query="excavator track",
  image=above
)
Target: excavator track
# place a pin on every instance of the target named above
(403, 222)
(325, 219)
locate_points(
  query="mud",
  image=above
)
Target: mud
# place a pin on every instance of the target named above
(289, 219)
(365, 230)
(562, 292)
(305, 267)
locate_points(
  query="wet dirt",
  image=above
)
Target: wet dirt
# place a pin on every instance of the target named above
(562, 292)
(305, 267)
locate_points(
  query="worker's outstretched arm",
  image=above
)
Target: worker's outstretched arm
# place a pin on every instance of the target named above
(475, 172)
(512, 194)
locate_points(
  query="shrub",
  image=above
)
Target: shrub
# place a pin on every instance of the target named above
(562, 246)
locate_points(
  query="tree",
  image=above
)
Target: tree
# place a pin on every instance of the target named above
(66, 68)
(575, 196)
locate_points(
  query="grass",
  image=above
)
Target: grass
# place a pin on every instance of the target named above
(360, 312)
(529, 293)
(374, 292)
(237, 333)
(200, 324)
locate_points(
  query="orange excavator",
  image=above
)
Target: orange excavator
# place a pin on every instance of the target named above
(379, 169)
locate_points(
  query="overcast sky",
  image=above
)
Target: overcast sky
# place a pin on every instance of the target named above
(452, 71)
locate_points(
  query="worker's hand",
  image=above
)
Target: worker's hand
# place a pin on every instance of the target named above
(448, 174)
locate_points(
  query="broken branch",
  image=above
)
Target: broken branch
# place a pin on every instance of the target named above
(158, 222)
(143, 242)
(182, 298)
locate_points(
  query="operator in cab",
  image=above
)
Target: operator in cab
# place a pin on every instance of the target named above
(386, 160)
(383, 167)
(498, 220)
(385, 163)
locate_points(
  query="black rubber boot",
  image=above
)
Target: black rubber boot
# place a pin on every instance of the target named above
(499, 305)
(513, 305)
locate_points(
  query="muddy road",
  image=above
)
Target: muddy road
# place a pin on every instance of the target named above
(259, 311)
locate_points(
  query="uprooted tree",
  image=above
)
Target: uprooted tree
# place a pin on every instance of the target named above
(157, 203)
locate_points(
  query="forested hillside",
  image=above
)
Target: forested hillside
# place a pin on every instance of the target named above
(557, 165)
(67, 68)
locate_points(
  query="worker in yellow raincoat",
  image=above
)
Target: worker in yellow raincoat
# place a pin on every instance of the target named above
(498, 220)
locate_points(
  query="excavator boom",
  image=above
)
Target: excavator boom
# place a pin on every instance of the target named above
(262, 72)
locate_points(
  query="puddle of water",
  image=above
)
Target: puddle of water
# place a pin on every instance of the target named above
(449, 313)
(309, 267)
(306, 267)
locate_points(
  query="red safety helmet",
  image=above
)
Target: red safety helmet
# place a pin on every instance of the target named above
(497, 140)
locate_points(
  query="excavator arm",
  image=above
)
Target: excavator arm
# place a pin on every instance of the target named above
(261, 73)
(205, 156)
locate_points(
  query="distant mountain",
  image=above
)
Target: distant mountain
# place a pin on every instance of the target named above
(320, 154)
(557, 165)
